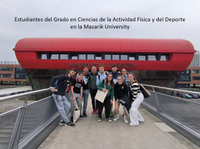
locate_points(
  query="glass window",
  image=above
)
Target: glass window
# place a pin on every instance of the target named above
(195, 71)
(196, 78)
(44, 56)
(163, 58)
(90, 56)
(124, 57)
(54, 56)
(6, 75)
(142, 57)
(74, 56)
(64, 56)
(115, 57)
(131, 57)
(151, 57)
(82, 56)
(6, 68)
(98, 57)
(107, 56)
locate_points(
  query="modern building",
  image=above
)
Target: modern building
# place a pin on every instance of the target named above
(154, 61)
(191, 76)
(11, 72)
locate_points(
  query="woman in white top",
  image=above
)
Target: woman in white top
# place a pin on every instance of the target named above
(137, 97)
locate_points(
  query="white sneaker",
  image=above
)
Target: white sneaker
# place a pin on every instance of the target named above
(109, 120)
(116, 118)
(125, 119)
(99, 119)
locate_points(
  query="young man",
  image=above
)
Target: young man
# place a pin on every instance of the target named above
(86, 79)
(77, 90)
(114, 73)
(61, 102)
(100, 76)
(93, 89)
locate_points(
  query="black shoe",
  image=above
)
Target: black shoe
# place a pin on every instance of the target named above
(71, 119)
(84, 114)
(61, 123)
(81, 115)
(69, 124)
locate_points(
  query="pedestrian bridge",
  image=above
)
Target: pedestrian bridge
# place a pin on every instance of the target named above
(170, 122)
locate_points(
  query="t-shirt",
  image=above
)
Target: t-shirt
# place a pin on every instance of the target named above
(77, 86)
(86, 79)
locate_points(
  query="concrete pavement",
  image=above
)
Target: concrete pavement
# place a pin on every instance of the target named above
(91, 134)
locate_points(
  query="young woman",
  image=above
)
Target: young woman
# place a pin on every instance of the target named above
(137, 97)
(106, 84)
(125, 77)
(120, 89)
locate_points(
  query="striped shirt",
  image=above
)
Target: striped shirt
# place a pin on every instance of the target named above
(134, 90)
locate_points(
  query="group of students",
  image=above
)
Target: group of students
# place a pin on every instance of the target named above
(70, 88)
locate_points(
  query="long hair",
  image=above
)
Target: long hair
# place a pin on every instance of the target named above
(111, 81)
(133, 76)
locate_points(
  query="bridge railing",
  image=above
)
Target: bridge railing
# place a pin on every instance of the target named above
(183, 112)
(27, 126)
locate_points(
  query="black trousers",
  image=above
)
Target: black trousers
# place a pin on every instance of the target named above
(107, 105)
(93, 93)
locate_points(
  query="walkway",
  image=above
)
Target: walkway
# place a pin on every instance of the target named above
(91, 134)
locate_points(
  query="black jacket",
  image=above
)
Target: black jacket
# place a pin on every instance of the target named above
(63, 82)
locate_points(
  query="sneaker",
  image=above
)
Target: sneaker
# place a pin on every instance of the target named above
(61, 123)
(84, 114)
(131, 124)
(93, 111)
(99, 119)
(69, 124)
(109, 120)
(96, 111)
(125, 119)
(81, 115)
(116, 118)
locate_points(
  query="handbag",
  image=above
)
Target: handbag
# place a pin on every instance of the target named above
(144, 91)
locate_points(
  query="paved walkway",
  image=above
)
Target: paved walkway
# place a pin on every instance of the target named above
(91, 134)
(14, 90)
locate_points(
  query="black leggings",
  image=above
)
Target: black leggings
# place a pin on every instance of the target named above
(107, 105)
(93, 93)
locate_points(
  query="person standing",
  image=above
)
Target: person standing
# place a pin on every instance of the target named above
(61, 102)
(114, 73)
(100, 76)
(93, 89)
(106, 84)
(125, 77)
(86, 79)
(137, 98)
(120, 89)
(77, 91)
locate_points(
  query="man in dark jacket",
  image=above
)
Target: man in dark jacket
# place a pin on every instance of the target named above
(59, 97)
(93, 88)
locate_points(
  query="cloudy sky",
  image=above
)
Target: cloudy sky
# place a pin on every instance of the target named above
(11, 31)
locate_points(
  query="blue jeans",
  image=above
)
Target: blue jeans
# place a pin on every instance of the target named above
(85, 99)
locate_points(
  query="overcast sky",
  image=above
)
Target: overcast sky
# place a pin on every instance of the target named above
(11, 31)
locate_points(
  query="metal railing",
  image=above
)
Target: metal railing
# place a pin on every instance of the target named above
(27, 126)
(184, 113)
